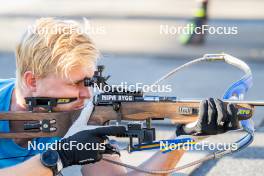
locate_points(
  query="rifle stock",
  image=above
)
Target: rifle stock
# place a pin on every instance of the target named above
(177, 112)
(63, 122)
(180, 112)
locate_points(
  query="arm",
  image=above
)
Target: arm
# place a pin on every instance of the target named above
(30, 167)
(104, 168)
(68, 157)
(159, 161)
(211, 113)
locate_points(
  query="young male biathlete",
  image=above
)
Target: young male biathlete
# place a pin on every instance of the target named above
(54, 64)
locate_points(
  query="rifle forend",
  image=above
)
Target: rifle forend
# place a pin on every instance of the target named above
(180, 112)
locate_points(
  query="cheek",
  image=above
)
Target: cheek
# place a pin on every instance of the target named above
(56, 90)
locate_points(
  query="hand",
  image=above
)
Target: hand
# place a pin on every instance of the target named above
(214, 118)
(95, 137)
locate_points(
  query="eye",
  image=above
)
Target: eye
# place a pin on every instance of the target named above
(84, 82)
(74, 84)
(79, 83)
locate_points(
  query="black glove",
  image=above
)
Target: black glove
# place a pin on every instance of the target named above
(95, 137)
(214, 118)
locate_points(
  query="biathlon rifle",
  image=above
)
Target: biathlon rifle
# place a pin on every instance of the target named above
(132, 106)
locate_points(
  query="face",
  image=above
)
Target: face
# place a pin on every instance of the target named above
(72, 87)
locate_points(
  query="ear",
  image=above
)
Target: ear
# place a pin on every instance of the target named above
(30, 80)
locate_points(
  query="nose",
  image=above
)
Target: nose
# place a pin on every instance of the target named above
(85, 92)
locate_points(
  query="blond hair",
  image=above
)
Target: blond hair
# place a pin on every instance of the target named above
(53, 46)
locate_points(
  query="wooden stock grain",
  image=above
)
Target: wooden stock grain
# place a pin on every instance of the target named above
(128, 111)
(63, 122)
(144, 110)
(155, 110)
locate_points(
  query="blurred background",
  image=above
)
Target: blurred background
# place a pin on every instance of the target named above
(128, 34)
